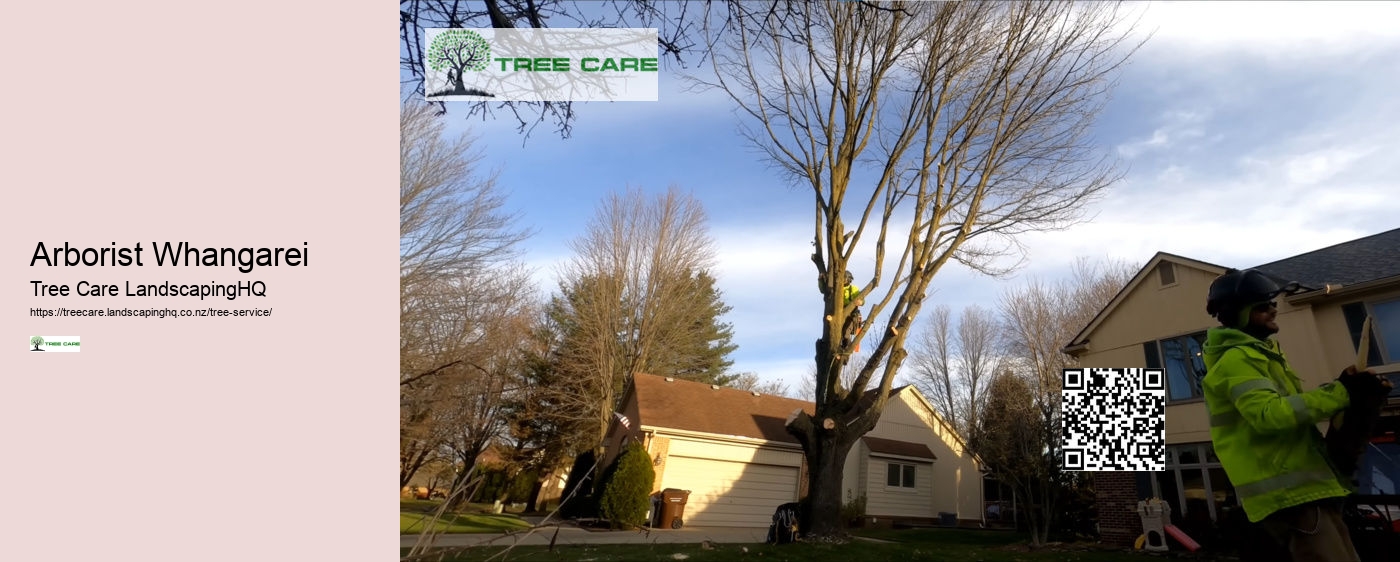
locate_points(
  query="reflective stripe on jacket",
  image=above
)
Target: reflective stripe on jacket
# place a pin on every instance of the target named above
(1264, 427)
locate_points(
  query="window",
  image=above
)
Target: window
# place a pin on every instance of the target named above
(1183, 361)
(1195, 484)
(1166, 273)
(1385, 328)
(900, 475)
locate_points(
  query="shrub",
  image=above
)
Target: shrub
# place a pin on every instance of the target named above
(627, 488)
(853, 510)
(497, 482)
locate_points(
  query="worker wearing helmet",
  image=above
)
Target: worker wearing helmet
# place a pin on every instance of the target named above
(850, 292)
(1263, 424)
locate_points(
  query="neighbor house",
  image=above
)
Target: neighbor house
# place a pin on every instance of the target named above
(731, 450)
(1158, 320)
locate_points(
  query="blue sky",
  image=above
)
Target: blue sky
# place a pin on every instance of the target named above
(1249, 132)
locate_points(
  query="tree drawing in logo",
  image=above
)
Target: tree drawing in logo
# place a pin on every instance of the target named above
(457, 51)
(36, 341)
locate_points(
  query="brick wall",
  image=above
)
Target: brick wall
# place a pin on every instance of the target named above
(1116, 499)
(660, 453)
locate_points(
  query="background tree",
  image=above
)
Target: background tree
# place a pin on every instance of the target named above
(927, 132)
(458, 284)
(752, 383)
(471, 397)
(1038, 320)
(952, 364)
(549, 418)
(637, 298)
(1013, 443)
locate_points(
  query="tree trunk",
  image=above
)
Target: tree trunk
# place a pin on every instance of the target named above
(456, 496)
(826, 459)
(458, 87)
(532, 504)
(823, 510)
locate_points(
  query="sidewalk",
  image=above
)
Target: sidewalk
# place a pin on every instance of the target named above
(569, 533)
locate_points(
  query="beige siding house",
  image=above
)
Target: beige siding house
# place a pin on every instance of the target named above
(913, 466)
(731, 450)
(1158, 320)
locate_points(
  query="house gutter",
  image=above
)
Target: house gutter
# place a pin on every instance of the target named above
(724, 438)
(1075, 349)
(1338, 290)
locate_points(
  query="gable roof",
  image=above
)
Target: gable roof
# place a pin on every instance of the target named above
(1147, 270)
(1365, 259)
(948, 427)
(692, 406)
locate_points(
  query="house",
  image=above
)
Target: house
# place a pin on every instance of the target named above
(1158, 320)
(730, 448)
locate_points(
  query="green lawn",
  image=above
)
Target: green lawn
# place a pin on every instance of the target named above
(927, 544)
(414, 516)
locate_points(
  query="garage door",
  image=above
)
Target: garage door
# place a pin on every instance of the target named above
(728, 493)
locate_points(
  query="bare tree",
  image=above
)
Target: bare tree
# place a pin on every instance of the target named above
(452, 226)
(473, 401)
(457, 281)
(752, 383)
(932, 360)
(978, 332)
(1038, 319)
(952, 366)
(927, 132)
(636, 292)
(848, 377)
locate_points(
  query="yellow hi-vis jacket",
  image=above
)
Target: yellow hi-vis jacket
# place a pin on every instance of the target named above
(1264, 427)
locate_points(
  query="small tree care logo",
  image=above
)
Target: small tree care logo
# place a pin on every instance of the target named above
(536, 65)
(68, 344)
(457, 51)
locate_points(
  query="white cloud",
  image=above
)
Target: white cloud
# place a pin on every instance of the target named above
(1177, 127)
(1323, 164)
(1279, 29)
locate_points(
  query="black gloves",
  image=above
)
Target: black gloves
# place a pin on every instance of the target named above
(1365, 386)
(1352, 429)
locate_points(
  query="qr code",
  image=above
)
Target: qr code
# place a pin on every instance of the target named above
(1114, 419)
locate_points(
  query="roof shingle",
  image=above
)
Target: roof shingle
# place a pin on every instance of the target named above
(693, 406)
(1364, 259)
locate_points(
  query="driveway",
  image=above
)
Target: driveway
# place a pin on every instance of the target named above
(568, 533)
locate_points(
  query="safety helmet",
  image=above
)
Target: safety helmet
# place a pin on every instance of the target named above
(850, 278)
(1237, 289)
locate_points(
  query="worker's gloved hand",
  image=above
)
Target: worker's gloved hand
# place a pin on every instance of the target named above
(1364, 384)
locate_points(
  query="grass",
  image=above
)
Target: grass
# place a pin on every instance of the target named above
(905, 545)
(414, 516)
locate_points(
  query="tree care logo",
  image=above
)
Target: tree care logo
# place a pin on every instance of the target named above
(456, 51)
(64, 344)
(540, 65)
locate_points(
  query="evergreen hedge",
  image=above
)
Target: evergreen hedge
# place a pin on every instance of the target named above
(626, 489)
